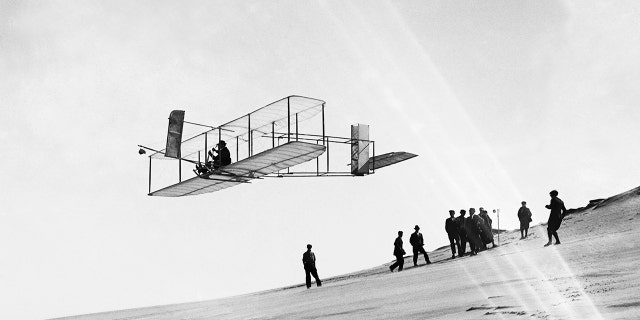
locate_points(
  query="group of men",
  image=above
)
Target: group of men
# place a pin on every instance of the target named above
(475, 230)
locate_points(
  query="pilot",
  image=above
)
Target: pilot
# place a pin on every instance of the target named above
(219, 157)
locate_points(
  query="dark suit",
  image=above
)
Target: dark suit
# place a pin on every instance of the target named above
(223, 158)
(398, 251)
(452, 227)
(417, 242)
(462, 232)
(309, 261)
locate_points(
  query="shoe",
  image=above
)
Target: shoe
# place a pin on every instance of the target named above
(390, 269)
(548, 244)
(428, 262)
(453, 256)
(319, 284)
(557, 243)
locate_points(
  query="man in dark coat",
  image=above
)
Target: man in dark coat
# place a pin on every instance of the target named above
(485, 225)
(452, 227)
(309, 261)
(473, 231)
(398, 252)
(220, 157)
(524, 215)
(462, 232)
(417, 242)
(555, 216)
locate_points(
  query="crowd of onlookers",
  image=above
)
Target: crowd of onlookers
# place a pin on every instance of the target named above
(476, 230)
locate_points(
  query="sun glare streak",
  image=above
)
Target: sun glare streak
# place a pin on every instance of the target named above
(515, 289)
(398, 102)
(592, 311)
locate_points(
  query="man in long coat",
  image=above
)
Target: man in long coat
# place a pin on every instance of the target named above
(524, 215)
(487, 234)
(555, 216)
(473, 231)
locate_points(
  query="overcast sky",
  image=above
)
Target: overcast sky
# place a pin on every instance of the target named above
(502, 101)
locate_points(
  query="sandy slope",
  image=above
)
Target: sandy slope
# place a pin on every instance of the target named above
(593, 274)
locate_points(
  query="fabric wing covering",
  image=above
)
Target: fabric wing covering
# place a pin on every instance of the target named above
(388, 159)
(261, 164)
(278, 115)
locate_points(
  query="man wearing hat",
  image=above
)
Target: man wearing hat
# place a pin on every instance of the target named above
(462, 232)
(222, 156)
(309, 261)
(417, 242)
(219, 157)
(524, 215)
(452, 228)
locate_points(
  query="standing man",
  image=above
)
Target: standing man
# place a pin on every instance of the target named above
(473, 231)
(452, 228)
(309, 261)
(462, 232)
(524, 215)
(417, 242)
(487, 229)
(398, 252)
(555, 216)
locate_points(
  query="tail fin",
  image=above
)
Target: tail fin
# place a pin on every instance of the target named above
(174, 134)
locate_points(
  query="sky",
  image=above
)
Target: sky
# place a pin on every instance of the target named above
(502, 101)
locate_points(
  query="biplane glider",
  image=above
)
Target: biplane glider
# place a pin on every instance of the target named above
(276, 141)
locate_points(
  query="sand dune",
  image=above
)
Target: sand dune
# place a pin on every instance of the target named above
(593, 274)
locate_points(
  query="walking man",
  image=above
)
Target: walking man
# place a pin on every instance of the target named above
(309, 261)
(417, 242)
(524, 215)
(555, 216)
(398, 252)
(452, 228)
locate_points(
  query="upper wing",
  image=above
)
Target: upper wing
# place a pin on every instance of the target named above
(277, 115)
(261, 164)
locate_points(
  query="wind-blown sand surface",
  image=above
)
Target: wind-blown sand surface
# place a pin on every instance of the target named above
(593, 274)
